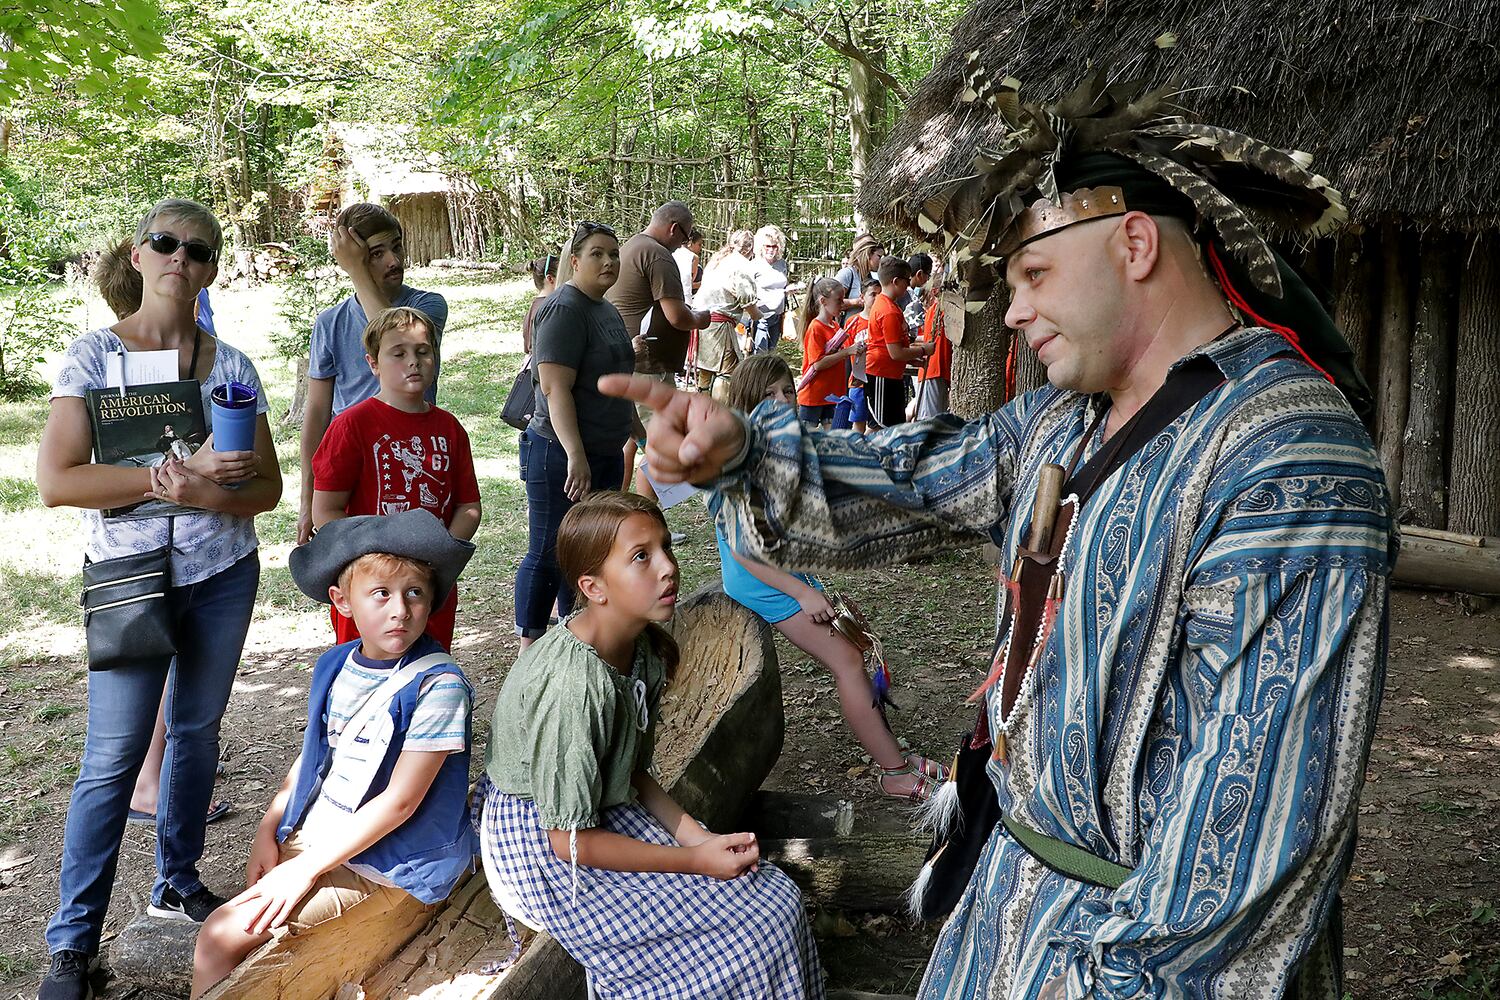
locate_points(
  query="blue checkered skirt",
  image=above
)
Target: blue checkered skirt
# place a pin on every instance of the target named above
(654, 935)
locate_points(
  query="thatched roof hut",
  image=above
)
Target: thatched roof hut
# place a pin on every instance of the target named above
(1398, 101)
(1395, 99)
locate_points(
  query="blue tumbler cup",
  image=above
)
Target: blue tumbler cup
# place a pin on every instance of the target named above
(233, 417)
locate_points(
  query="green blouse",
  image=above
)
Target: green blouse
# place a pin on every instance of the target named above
(569, 730)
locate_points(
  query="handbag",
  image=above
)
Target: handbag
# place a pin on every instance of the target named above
(520, 402)
(127, 619)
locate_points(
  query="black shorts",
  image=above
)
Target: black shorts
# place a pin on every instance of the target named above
(886, 398)
(819, 414)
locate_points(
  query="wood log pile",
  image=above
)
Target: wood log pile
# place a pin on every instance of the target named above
(263, 262)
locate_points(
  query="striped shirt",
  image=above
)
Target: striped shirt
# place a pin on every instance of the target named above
(1201, 713)
(437, 723)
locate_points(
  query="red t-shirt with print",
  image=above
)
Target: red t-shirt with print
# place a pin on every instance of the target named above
(887, 327)
(391, 461)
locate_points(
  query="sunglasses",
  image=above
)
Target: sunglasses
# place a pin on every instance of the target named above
(590, 228)
(166, 244)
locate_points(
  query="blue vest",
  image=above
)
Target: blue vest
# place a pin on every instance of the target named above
(437, 844)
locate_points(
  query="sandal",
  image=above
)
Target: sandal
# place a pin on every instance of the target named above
(216, 811)
(929, 776)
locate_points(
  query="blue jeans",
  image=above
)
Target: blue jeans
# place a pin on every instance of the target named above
(212, 618)
(538, 580)
(768, 332)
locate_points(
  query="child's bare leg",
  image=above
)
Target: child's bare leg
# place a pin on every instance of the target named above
(856, 698)
(148, 781)
(223, 944)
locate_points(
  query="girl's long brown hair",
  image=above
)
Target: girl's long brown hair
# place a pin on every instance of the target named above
(584, 540)
(813, 306)
(753, 376)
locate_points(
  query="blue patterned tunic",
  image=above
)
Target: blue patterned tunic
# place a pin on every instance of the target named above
(1203, 710)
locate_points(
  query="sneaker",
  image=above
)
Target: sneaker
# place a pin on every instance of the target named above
(193, 908)
(67, 979)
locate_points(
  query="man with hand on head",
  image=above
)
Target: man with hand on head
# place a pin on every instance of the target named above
(369, 246)
(1177, 725)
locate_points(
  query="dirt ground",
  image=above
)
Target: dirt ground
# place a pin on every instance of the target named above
(1422, 900)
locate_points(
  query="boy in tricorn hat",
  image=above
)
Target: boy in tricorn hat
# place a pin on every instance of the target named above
(375, 807)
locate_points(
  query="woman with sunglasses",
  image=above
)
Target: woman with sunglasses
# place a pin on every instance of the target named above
(575, 441)
(215, 569)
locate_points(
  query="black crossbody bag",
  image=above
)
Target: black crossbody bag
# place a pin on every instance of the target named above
(127, 619)
(953, 855)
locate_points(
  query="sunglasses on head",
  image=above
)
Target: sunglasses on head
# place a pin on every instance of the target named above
(166, 244)
(590, 228)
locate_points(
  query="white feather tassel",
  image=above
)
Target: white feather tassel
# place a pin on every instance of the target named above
(917, 891)
(938, 814)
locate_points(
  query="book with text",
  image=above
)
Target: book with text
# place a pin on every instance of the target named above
(143, 425)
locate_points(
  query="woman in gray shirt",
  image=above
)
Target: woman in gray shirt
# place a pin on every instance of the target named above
(575, 441)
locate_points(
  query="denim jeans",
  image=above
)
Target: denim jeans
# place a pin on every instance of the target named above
(538, 580)
(212, 618)
(768, 333)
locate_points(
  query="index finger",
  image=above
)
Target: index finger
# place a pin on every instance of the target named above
(642, 389)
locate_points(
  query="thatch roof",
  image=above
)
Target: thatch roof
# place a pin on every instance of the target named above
(1397, 100)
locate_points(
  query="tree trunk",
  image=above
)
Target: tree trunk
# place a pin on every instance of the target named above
(866, 116)
(1436, 564)
(1395, 354)
(978, 355)
(294, 412)
(1355, 287)
(1474, 493)
(1424, 445)
(1030, 372)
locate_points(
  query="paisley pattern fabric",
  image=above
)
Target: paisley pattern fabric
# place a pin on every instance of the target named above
(1203, 710)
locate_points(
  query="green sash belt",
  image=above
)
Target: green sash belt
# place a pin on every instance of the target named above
(1066, 859)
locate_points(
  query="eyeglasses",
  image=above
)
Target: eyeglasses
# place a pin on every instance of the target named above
(166, 244)
(590, 228)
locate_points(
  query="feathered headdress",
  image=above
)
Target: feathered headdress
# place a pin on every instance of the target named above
(1109, 148)
(1030, 185)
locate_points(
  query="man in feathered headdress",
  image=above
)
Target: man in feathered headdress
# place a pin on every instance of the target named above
(1176, 725)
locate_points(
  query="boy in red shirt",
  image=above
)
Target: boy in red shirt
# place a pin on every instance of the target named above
(396, 451)
(932, 396)
(890, 347)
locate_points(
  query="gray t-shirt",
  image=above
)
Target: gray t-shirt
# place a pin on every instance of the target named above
(573, 330)
(338, 346)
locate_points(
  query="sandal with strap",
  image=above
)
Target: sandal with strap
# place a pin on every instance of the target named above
(927, 779)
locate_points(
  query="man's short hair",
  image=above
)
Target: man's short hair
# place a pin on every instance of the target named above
(397, 318)
(370, 220)
(118, 280)
(892, 268)
(870, 285)
(182, 210)
(674, 211)
(385, 562)
(920, 263)
(696, 236)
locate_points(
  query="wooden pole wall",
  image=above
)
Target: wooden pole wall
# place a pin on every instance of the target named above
(1424, 493)
(1356, 290)
(1474, 484)
(1394, 384)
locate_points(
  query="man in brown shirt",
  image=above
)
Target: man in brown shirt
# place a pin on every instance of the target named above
(650, 282)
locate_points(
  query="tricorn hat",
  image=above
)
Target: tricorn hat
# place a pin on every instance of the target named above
(413, 534)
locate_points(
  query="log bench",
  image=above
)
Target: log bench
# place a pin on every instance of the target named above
(720, 734)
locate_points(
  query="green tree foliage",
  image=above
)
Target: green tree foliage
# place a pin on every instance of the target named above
(80, 40)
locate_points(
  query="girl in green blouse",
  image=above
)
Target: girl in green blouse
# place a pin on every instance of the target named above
(579, 839)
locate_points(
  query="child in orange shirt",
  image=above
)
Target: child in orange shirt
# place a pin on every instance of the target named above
(853, 411)
(825, 354)
(932, 396)
(890, 347)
